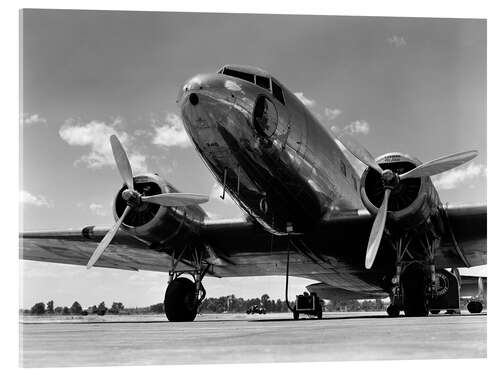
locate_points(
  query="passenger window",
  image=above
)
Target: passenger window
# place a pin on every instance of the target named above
(262, 81)
(234, 73)
(278, 93)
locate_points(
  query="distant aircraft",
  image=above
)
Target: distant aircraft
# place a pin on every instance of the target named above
(308, 213)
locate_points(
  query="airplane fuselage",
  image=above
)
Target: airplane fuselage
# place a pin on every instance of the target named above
(267, 149)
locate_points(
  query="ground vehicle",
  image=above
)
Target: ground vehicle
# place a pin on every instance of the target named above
(256, 309)
(309, 304)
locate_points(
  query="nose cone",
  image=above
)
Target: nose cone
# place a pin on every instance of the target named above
(215, 104)
(207, 98)
(205, 84)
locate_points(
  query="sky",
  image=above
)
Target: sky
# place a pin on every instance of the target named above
(416, 86)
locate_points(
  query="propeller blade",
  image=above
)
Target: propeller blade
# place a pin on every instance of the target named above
(377, 231)
(107, 239)
(175, 199)
(121, 161)
(360, 152)
(439, 165)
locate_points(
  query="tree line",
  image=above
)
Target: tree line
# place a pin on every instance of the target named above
(40, 308)
(222, 304)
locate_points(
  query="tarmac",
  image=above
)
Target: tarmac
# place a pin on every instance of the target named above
(241, 338)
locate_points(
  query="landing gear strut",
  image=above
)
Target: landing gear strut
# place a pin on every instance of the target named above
(414, 284)
(475, 306)
(183, 296)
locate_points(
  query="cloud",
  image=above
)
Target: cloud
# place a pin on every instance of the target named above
(33, 119)
(27, 198)
(306, 101)
(96, 135)
(97, 209)
(332, 114)
(171, 133)
(459, 176)
(355, 127)
(358, 127)
(397, 41)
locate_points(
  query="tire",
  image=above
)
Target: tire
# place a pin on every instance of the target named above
(393, 311)
(475, 307)
(295, 315)
(319, 314)
(435, 312)
(414, 292)
(180, 302)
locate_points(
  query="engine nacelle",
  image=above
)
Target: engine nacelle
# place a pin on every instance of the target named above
(412, 202)
(157, 224)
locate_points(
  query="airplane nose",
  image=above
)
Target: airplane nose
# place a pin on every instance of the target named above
(195, 83)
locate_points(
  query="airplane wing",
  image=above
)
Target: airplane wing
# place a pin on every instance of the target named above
(333, 254)
(76, 247)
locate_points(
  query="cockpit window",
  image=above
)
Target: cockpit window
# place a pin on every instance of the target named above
(262, 82)
(234, 73)
(278, 93)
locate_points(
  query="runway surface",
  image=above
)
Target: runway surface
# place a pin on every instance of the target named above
(238, 338)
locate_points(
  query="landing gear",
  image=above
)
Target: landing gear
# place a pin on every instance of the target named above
(415, 300)
(414, 284)
(183, 297)
(475, 307)
(393, 310)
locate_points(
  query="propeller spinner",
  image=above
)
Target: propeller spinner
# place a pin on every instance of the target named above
(134, 198)
(390, 180)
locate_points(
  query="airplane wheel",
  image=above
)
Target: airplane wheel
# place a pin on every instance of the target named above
(475, 307)
(295, 315)
(319, 314)
(393, 311)
(435, 312)
(414, 293)
(180, 300)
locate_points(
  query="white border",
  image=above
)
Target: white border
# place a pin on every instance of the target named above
(421, 8)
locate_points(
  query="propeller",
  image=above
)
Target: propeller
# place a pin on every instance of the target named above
(134, 198)
(121, 161)
(175, 199)
(391, 179)
(107, 239)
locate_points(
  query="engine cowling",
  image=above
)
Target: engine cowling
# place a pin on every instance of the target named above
(412, 202)
(153, 223)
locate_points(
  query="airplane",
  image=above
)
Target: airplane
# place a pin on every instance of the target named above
(308, 213)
